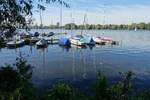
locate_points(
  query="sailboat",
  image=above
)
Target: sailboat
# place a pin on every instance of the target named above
(82, 40)
(77, 40)
(63, 41)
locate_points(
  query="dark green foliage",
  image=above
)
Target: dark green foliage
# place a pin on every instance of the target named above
(60, 91)
(10, 80)
(12, 15)
(62, 2)
(142, 26)
(15, 84)
(24, 69)
(17, 14)
(102, 90)
(70, 26)
(143, 95)
(28, 92)
(123, 89)
(2, 42)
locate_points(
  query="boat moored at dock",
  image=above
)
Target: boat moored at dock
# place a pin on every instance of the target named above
(64, 41)
(98, 40)
(16, 42)
(104, 40)
(77, 41)
(42, 43)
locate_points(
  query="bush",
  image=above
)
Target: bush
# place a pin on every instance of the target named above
(102, 89)
(60, 91)
(15, 84)
(10, 82)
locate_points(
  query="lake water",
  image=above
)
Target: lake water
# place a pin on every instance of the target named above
(79, 66)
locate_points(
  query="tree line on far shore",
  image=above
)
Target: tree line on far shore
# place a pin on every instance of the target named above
(69, 26)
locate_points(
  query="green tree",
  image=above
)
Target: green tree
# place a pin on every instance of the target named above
(27, 91)
(123, 89)
(24, 69)
(141, 26)
(12, 15)
(148, 26)
(17, 13)
(143, 95)
(10, 82)
(15, 84)
(60, 91)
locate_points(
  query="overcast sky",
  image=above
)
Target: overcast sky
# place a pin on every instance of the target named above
(98, 12)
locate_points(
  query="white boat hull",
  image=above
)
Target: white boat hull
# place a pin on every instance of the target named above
(16, 43)
(77, 42)
(98, 40)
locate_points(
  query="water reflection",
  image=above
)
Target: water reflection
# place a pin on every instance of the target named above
(79, 65)
(66, 48)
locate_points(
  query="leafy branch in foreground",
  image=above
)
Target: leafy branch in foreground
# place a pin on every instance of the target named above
(15, 81)
(10, 82)
(123, 89)
(63, 91)
(102, 89)
(60, 91)
(18, 13)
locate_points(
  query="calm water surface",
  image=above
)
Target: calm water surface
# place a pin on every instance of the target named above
(79, 66)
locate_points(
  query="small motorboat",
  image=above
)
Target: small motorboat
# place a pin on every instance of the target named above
(108, 40)
(16, 42)
(33, 40)
(49, 40)
(42, 43)
(36, 34)
(50, 34)
(98, 40)
(83, 40)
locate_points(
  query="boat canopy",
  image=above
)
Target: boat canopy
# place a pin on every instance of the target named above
(50, 33)
(64, 42)
(78, 37)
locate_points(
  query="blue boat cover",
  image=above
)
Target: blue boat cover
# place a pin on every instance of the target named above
(64, 42)
(36, 34)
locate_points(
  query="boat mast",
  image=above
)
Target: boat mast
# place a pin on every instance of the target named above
(41, 19)
(83, 24)
(104, 18)
(61, 17)
(71, 21)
